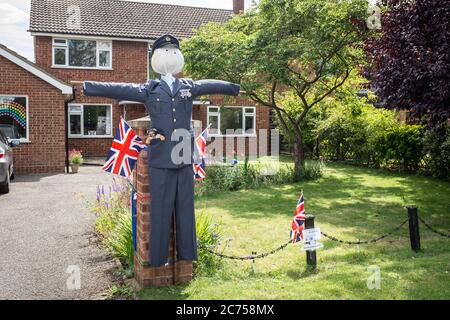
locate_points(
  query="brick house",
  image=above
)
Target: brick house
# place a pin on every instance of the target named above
(109, 40)
(32, 100)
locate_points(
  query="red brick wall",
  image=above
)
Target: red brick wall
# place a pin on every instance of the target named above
(46, 150)
(129, 64)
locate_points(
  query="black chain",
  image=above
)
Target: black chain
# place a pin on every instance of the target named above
(253, 256)
(433, 229)
(366, 241)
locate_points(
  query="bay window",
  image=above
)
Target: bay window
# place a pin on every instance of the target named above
(232, 120)
(89, 120)
(82, 53)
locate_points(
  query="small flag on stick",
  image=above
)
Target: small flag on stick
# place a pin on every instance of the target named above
(124, 151)
(298, 223)
(200, 143)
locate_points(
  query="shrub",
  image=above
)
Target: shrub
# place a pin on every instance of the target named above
(437, 152)
(113, 221)
(349, 132)
(254, 175)
(120, 240)
(312, 170)
(208, 236)
(401, 146)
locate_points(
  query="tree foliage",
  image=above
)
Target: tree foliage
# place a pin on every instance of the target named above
(410, 57)
(308, 47)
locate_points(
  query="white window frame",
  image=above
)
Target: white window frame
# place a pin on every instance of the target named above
(244, 115)
(66, 47)
(27, 138)
(82, 135)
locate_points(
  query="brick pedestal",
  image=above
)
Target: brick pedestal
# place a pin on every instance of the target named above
(145, 275)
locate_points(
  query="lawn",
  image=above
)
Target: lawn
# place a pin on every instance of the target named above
(348, 202)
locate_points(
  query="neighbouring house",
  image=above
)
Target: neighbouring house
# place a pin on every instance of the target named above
(32, 101)
(110, 40)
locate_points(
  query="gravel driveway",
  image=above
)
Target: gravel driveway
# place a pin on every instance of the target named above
(46, 227)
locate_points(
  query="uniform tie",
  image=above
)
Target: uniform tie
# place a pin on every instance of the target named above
(169, 79)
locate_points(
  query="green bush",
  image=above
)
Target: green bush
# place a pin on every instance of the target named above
(437, 152)
(120, 241)
(113, 223)
(401, 146)
(208, 236)
(349, 132)
(254, 175)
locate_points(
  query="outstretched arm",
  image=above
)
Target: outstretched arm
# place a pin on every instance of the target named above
(204, 87)
(115, 90)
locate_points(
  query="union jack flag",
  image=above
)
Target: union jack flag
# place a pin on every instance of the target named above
(124, 151)
(199, 168)
(298, 223)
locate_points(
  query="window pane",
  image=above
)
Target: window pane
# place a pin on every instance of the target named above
(213, 109)
(249, 125)
(97, 120)
(75, 109)
(104, 45)
(230, 118)
(13, 116)
(59, 41)
(104, 59)
(249, 110)
(214, 121)
(75, 124)
(82, 53)
(60, 56)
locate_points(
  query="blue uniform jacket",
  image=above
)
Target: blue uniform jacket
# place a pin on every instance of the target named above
(168, 110)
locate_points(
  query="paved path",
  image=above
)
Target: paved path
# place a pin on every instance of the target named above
(45, 227)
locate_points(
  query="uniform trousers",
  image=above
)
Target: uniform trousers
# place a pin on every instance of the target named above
(172, 192)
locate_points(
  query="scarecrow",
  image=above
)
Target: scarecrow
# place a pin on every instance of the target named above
(169, 103)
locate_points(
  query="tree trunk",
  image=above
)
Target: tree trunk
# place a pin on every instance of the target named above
(299, 155)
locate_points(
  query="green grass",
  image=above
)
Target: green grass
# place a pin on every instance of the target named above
(348, 202)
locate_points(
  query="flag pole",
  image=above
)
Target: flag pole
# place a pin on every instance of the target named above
(131, 185)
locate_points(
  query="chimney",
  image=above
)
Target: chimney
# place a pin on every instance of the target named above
(238, 6)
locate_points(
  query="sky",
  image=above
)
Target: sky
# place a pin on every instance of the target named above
(15, 19)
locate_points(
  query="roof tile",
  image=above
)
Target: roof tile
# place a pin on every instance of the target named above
(126, 19)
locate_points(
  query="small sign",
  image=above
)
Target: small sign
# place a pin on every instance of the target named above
(312, 246)
(311, 234)
(310, 237)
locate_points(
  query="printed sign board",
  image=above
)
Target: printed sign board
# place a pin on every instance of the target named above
(310, 237)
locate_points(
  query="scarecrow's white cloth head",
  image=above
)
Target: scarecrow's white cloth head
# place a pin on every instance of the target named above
(167, 60)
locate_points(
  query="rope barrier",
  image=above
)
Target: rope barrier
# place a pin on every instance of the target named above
(366, 241)
(433, 229)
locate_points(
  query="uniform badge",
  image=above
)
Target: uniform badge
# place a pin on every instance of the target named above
(185, 93)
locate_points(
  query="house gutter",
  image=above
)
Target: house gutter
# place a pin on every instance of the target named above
(66, 126)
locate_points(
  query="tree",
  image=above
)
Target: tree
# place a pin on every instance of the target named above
(410, 58)
(308, 47)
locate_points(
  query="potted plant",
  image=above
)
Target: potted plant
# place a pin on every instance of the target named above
(75, 160)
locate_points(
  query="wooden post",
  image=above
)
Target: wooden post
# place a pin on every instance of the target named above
(414, 234)
(311, 258)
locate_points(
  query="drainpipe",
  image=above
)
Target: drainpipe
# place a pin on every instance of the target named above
(66, 126)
